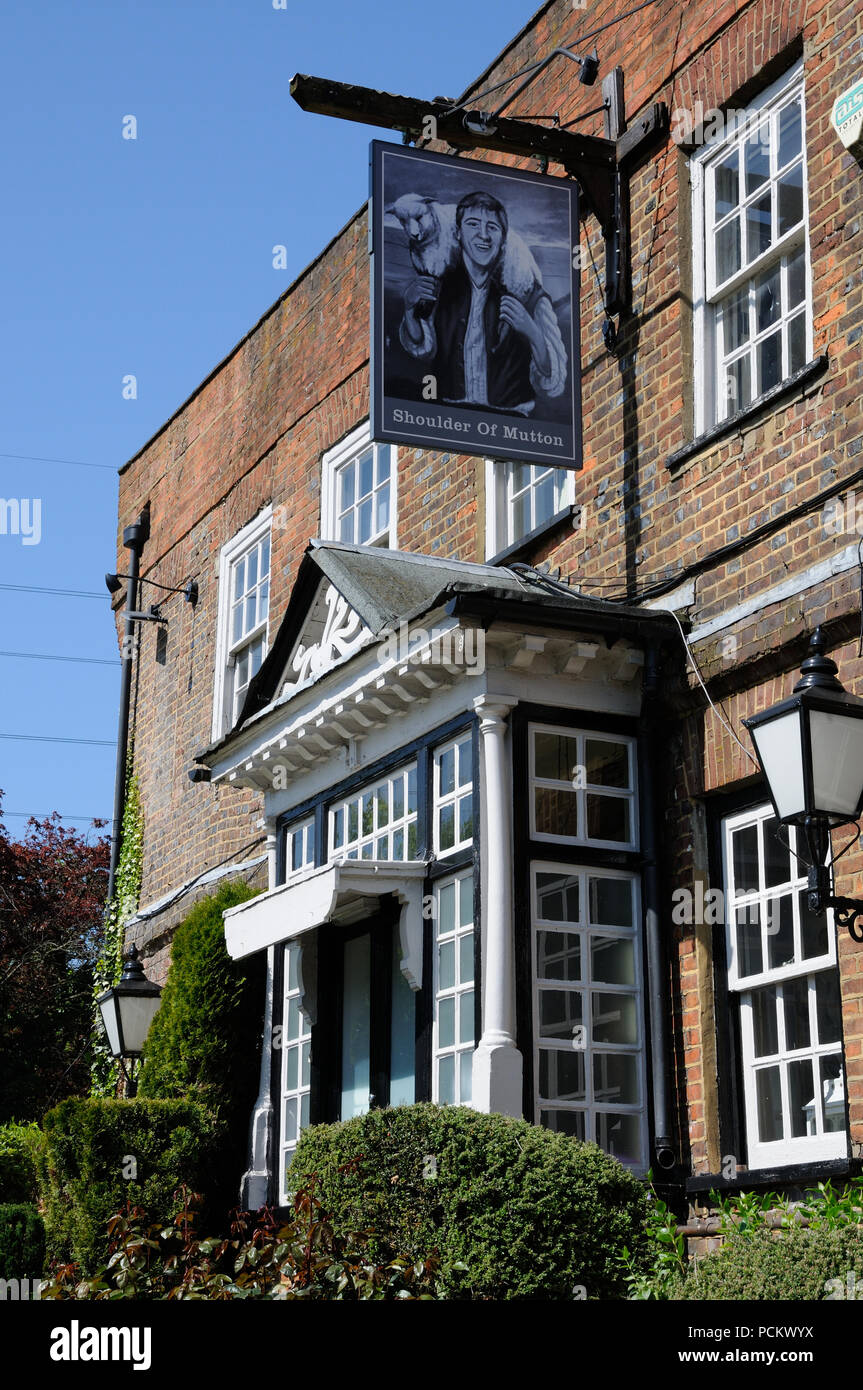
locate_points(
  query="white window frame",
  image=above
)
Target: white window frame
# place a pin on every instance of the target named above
(453, 798)
(712, 406)
(458, 991)
(300, 1093)
(825, 1144)
(301, 834)
(590, 1107)
(354, 847)
(582, 791)
(346, 451)
(231, 552)
(499, 523)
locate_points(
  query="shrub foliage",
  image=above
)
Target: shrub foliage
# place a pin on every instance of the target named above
(515, 1211)
(767, 1266)
(22, 1242)
(99, 1154)
(18, 1146)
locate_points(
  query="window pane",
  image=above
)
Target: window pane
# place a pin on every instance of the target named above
(447, 771)
(610, 902)
(292, 1067)
(366, 465)
(446, 1022)
(777, 858)
(735, 320)
(465, 1017)
(465, 1077)
(790, 199)
(833, 1093)
(382, 510)
(801, 1098)
(758, 227)
(521, 521)
(727, 194)
(789, 133)
(561, 1075)
(780, 939)
(398, 796)
(765, 1028)
(565, 1122)
(447, 827)
(612, 960)
(607, 817)
(252, 568)
(728, 250)
(364, 521)
(745, 857)
(558, 956)
(446, 909)
(398, 844)
(555, 756)
(749, 939)
(556, 812)
(828, 1007)
(606, 764)
(237, 625)
(557, 898)
(768, 1099)
(465, 901)
(412, 791)
(797, 343)
(289, 1132)
(465, 817)
(465, 762)
(769, 362)
(738, 386)
(465, 959)
(383, 461)
(757, 158)
(265, 557)
(446, 965)
(614, 1018)
(543, 501)
(620, 1135)
(560, 1013)
(796, 278)
(767, 299)
(346, 528)
(615, 1078)
(813, 929)
(446, 1080)
(346, 487)
(795, 997)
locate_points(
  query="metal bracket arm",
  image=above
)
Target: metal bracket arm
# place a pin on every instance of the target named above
(599, 165)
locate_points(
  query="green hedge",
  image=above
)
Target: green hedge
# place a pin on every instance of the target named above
(22, 1242)
(99, 1153)
(205, 1041)
(797, 1264)
(19, 1144)
(527, 1213)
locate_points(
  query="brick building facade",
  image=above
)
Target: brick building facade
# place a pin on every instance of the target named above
(721, 453)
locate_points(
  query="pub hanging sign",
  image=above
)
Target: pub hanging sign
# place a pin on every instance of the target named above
(475, 332)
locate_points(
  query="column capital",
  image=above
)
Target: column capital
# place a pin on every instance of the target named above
(493, 711)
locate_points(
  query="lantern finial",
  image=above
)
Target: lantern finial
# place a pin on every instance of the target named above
(818, 671)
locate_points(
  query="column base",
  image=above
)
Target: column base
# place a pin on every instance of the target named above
(497, 1077)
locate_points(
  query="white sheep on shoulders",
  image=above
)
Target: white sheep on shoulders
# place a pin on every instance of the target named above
(430, 230)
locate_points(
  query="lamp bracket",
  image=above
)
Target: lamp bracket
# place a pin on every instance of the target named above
(846, 911)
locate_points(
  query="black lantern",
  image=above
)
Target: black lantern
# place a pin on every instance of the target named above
(127, 1010)
(810, 748)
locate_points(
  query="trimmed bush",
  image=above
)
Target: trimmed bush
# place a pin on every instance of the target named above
(205, 1041)
(98, 1154)
(514, 1211)
(796, 1264)
(22, 1242)
(18, 1146)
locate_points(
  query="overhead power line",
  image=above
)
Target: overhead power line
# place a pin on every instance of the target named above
(67, 593)
(44, 656)
(50, 738)
(73, 463)
(46, 815)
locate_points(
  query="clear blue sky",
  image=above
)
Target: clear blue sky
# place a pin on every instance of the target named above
(153, 257)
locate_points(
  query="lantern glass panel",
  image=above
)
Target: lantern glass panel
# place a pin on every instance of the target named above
(837, 762)
(137, 1013)
(112, 1027)
(779, 748)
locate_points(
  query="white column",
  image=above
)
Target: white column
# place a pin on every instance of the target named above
(497, 1062)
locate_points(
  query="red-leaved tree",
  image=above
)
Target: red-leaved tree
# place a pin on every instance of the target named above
(52, 894)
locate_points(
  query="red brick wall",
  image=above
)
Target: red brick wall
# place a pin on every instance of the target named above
(255, 433)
